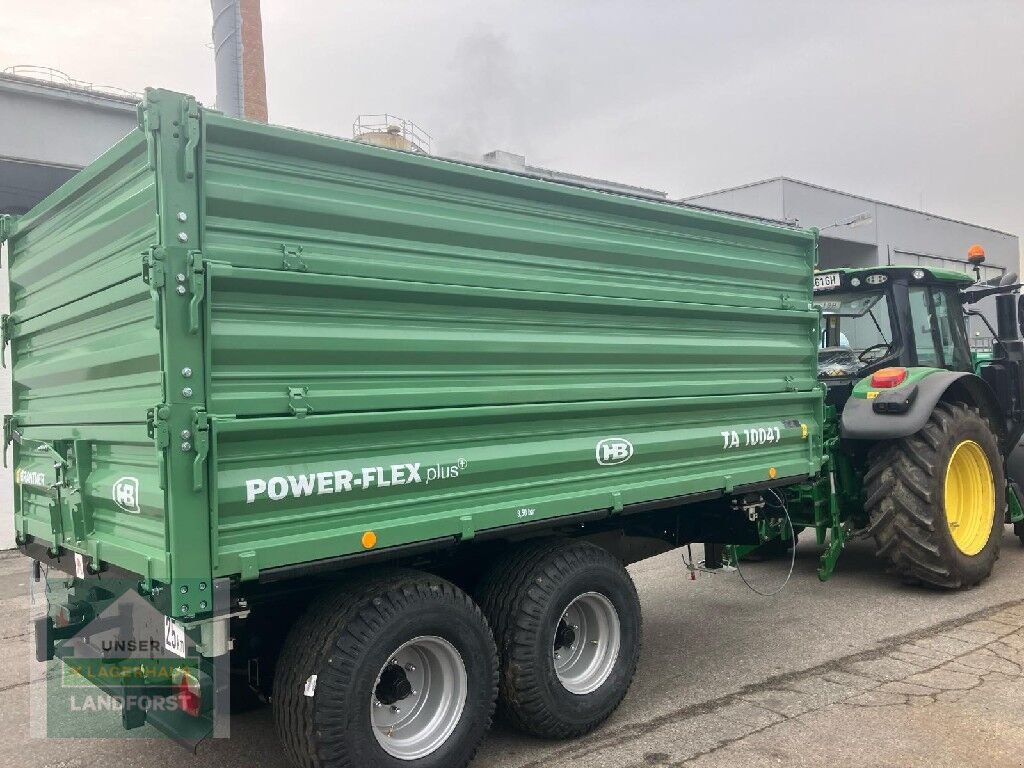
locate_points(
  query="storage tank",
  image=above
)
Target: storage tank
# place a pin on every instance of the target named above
(391, 132)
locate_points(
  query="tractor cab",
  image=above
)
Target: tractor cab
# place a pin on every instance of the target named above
(888, 317)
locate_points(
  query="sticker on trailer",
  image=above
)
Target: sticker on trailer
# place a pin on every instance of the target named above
(28, 477)
(350, 480)
(750, 437)
(125, 494)
(174, 637)
(824, 282)
(613, 450)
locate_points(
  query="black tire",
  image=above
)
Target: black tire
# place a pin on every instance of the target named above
(1018, 530)
(345, 638)
(905, 485)
(524, 596)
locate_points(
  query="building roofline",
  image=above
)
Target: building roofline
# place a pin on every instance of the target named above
(874, 201)
(97, 96)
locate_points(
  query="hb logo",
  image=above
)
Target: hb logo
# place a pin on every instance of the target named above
(126, 494)
(614, 450)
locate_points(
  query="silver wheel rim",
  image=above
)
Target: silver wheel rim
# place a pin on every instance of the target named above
(418, 697)
(586, 645)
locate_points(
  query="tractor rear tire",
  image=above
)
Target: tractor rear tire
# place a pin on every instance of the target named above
(937, 499)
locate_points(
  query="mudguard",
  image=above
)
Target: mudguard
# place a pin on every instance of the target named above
(861, 422)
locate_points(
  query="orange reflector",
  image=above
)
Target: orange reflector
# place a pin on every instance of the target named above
(772, 473)
(888, 377)
(369, 540)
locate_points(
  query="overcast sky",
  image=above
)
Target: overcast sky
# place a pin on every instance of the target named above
(916, 102)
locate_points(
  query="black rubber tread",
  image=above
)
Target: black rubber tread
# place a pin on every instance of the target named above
(904, 485)
(331, 637)
(515, 594)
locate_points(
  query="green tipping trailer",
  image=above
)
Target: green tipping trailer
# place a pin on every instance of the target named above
(372, 434)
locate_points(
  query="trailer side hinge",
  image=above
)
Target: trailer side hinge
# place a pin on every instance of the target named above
(160, 432)
(292, 258)
(201, 440)
(6, 331)
(153, 275)
(149, 122)
(156, 425)
(297, 401)
(10, 423)
(197, 287)
(191, 129)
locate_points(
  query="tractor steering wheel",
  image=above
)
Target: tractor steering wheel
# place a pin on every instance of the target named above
(881, 345)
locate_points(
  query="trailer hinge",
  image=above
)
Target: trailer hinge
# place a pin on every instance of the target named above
(156, 425)
(160, 432)
(6, 331)
(297, 401)
(201, 441)
(149, 122)
(191, 129)
(10, 423)
(153, 275)
(293, 258)
(153, 266)
(785, 301)
(197, 287)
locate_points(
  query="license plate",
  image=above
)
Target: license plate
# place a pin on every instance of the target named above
(830, 280)
(174, 637)
(79, 566)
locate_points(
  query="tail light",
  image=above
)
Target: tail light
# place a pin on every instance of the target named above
(63, 617)
(888, 377)
(189, 692)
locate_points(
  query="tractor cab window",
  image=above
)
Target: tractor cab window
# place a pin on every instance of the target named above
(856, 332)
(938, 329)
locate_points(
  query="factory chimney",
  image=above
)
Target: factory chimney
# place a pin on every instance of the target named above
(238, 52)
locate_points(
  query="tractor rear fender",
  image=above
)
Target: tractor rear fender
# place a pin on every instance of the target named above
(860, 421)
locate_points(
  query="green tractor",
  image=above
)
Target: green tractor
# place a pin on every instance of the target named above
(919, 427)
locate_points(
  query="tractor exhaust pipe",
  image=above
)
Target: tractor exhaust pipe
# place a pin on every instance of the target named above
(1006, 317)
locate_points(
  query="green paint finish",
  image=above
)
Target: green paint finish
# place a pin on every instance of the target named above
(914, 375)
(325, 338)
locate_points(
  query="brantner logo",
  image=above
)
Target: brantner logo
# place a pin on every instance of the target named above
(126, 494)
(614, 450)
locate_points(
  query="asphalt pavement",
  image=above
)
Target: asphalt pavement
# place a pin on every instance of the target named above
(859, 671)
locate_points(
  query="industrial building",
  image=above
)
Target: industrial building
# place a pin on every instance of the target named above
(858, 231)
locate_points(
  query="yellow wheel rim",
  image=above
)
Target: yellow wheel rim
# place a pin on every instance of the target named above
(970, 498)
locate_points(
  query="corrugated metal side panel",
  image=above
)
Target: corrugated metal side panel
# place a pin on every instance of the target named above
(85, 348)
(370, 344)
(456, 280)
(293, 490)
(477, 335)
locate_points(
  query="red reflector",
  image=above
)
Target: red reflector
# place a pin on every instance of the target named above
(888, 377)
(188, 696)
